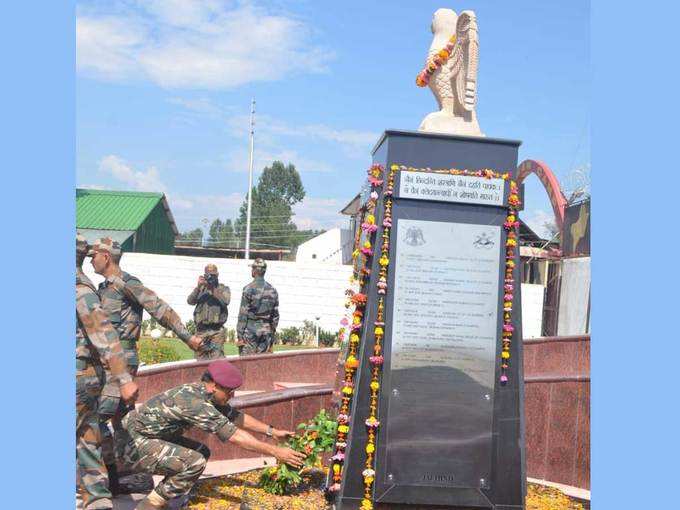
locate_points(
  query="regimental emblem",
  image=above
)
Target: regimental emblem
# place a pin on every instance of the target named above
(414, 237)
(483, 241)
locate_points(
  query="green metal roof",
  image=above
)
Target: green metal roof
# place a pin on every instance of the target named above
(116, 210)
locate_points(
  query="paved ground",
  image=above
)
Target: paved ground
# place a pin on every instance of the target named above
(214, 468)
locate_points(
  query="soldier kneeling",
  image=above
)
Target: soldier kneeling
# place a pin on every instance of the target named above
(155, 443)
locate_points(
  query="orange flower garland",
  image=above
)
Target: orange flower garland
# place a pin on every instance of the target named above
(433, 64)
(377, 359)
(358, 299)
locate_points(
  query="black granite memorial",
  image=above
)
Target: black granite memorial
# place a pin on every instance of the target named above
(451, 433)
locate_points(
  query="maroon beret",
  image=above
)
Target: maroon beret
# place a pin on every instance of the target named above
(225, 374)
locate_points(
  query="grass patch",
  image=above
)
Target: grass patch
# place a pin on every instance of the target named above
(173, 349)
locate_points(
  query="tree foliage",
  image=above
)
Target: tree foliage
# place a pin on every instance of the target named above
(222, 233)
(194, 236)
(278, 189)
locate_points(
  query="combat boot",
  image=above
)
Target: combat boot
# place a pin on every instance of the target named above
(152, 502)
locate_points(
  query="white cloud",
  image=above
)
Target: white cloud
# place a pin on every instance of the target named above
(536, 221)
(149, 180)
(92, 186)
(237, 161)
(354, 142)
(317, 213)
(203, 207)
(193, 43)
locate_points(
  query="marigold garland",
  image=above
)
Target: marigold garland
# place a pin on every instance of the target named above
(372, 423)
(358, 299)
(436, 62)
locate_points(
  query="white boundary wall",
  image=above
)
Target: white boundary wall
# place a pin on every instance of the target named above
(306, 289)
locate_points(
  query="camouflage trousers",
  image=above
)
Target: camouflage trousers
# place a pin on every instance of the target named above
(93, 484)
(254, 343)
(213, 344)
(113, 409)
(180, 459)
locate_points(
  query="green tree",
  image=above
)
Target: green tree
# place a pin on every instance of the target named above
(194, 236)
(222, 233)
(278, 189)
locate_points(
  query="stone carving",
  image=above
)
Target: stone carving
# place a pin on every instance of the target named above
(454, 83)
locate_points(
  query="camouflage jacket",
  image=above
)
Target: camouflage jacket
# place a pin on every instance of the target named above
(124, 298)
(211, 310)
(96, 339)
(259, 308)
(176, 410)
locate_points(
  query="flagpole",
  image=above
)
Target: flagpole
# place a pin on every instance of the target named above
(250, 177)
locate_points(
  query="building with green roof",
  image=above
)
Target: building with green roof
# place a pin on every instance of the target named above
(139, 221)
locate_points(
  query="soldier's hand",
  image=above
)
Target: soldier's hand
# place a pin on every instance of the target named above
(282, 434)
(129, 392)
(195, 342)
(290, 457)
(201, 281)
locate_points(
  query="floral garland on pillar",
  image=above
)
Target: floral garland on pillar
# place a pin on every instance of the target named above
(377, 359)
(358, 299)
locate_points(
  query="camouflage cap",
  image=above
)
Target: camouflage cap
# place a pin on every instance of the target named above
(211, 269)
(259, 263)
(81, 244)
(105, 244)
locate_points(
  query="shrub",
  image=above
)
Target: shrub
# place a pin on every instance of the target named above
(156, 351)
(191, 326)
(308, 331)
(289, 336)
(230, 335)
(327, 338)
(314, 438)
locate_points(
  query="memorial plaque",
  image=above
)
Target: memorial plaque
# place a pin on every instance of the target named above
(444, 337)
(451, 188)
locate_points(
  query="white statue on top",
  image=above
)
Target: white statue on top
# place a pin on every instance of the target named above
(451, 73)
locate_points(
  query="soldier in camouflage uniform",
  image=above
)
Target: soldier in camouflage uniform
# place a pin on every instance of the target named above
(155, 443)
(211, 299)
(124, 299)
(96, 343)
(258, 316)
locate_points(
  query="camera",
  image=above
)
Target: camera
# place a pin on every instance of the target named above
(211, 279)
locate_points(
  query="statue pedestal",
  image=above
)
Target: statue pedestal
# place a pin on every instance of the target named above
(451, 434)
(446, 123)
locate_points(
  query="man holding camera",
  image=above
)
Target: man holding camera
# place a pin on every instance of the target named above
(211, 299)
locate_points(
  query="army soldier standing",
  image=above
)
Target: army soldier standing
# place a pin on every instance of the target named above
(211, 299)
(124, 299)
(155, 443)
(96, 343)
(258, 316)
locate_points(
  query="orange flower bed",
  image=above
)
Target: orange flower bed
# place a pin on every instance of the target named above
(229, 492)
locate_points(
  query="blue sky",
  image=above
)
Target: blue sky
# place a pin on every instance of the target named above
(164, 86)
